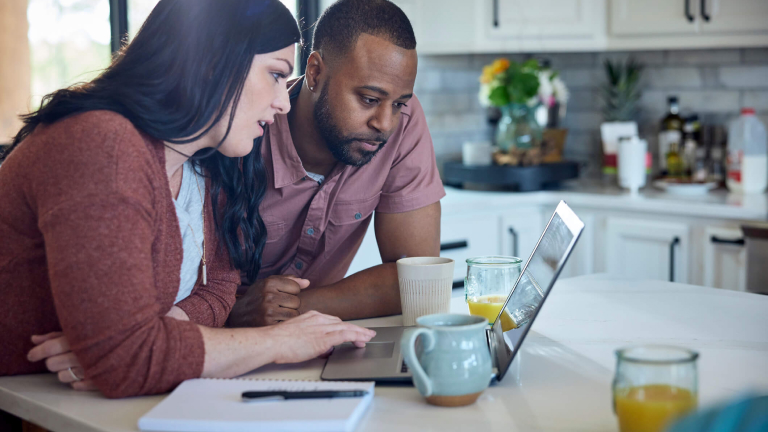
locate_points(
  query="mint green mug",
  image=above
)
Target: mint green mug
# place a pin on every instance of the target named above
(454, 366)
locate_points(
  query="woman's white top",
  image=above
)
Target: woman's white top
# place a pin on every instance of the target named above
(189, 207)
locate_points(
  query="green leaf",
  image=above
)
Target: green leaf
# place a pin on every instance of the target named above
(499, 96)
(531, 64)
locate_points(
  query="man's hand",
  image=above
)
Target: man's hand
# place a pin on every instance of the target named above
(268, 301)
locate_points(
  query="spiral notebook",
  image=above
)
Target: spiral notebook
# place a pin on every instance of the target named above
(207, 405)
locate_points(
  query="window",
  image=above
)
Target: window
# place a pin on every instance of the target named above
(69, 43)
(70, 39)
(138, 11)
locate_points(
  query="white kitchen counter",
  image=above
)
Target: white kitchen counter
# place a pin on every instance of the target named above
(719, 204)
(559, 381)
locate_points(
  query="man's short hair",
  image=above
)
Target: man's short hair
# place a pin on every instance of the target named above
(338, 28)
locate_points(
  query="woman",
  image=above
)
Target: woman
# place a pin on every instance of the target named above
(99, 185)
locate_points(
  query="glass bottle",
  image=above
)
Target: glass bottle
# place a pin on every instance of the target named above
(670, 132)
(674, 160)
(691, 141)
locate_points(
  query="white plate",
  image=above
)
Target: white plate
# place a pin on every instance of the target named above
(685, 188)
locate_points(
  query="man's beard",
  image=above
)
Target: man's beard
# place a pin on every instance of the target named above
(339, 145)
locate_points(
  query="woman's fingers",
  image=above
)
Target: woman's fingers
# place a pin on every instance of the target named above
(38, 339)
(84, 385)
(49, 348)
(344, 332)
(66, 377)
(61, 362)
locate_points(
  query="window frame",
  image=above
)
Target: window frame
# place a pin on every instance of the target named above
(307, 10)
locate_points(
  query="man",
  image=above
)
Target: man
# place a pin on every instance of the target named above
(354, 143)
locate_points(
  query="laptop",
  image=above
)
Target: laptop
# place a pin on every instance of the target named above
(382, 361)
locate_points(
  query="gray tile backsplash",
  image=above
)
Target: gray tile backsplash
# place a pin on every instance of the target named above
(713, 83)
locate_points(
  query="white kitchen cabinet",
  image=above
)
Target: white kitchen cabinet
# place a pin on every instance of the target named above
(520, 231)
(525, 25)
(670, 24)
(653, 17)
(734, 16)
(461, 236)
(725, 258)
(582, 259)
(493, 26)
(647, 249)
(441, 26)
(468, 235)
(687, 17)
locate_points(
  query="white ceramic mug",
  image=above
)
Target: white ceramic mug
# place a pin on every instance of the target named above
(477, 153)
(425, 286)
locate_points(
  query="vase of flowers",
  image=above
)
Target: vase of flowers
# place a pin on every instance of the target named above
(518, 128)
(525, 93)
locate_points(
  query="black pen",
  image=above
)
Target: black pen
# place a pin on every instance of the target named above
(249, 396)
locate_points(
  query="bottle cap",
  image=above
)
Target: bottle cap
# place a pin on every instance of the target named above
(747, 111)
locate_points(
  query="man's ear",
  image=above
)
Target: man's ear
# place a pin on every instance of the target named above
(316, 69)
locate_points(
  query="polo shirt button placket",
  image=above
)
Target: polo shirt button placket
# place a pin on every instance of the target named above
(358, 215)
(299, 265)
(311, 231)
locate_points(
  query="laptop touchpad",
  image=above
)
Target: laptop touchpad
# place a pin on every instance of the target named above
(372, 350)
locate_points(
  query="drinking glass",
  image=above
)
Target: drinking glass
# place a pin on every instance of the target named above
(488, 282)
(653, 386)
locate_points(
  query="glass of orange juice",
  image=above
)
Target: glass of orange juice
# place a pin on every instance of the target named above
(488, 282)
(654, 385)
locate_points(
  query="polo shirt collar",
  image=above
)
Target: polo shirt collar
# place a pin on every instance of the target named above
(286, 164)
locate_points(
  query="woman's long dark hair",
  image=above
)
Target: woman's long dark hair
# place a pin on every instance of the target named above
(175, 81)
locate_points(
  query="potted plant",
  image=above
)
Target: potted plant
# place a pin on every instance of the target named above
(524, 92)
(621, 97)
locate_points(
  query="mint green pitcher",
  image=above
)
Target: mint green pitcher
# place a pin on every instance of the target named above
(454, 366)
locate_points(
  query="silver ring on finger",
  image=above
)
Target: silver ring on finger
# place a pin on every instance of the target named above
(74, 376)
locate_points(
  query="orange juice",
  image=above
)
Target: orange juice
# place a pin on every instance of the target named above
(488, 306)
(651, 408)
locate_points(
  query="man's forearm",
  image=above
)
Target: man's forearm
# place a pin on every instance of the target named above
(369, 293)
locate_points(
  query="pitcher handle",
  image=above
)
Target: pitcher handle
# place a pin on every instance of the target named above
(408, 345)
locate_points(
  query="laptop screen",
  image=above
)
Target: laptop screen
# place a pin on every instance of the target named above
(533, 285)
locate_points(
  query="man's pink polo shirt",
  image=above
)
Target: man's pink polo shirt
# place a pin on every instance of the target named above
(314, 230)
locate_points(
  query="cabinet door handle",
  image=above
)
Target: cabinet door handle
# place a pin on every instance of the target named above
(735, 242)
(704, 13)
(454, 245)
(688, 11)
(675, 242)
(513, 233)
(495, 13)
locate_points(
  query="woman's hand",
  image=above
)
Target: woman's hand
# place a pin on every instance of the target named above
(54, 349)
(312, 335)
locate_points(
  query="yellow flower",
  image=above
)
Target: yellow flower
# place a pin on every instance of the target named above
(487, 75)
(500, 65)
